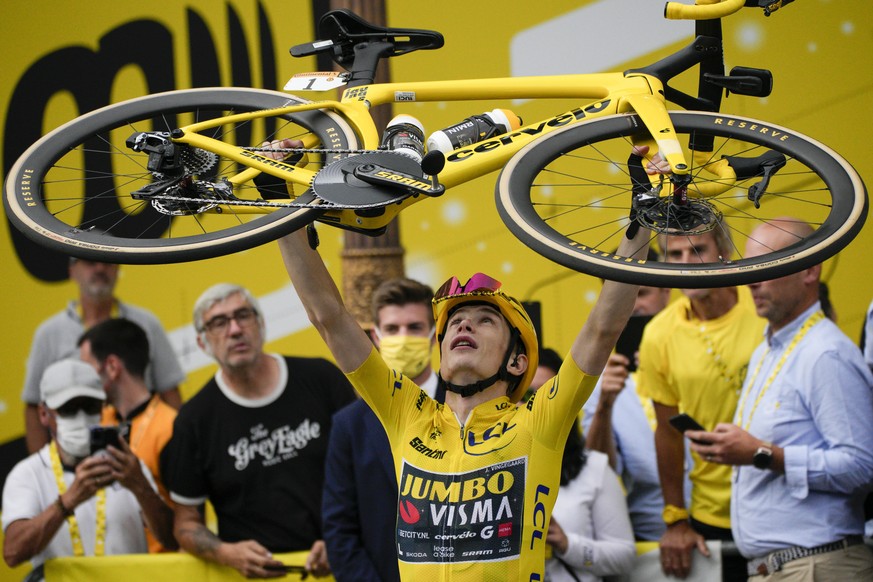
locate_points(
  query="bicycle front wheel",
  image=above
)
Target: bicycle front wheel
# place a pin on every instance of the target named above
(568, 195)
(71, 190)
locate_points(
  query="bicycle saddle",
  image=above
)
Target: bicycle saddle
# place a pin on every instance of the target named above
(341, 30)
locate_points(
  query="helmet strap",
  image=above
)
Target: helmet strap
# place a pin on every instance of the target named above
(469, 389)
(502, 374)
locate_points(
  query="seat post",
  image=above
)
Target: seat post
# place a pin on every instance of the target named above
(367, 57)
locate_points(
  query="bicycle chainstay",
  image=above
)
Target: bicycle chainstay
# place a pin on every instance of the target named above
(220, 193)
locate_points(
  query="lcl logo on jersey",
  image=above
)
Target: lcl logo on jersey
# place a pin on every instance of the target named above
(398, 382)
(491, 439)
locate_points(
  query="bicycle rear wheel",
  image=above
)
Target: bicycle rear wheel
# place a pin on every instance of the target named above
(568, 195)
(71, 190)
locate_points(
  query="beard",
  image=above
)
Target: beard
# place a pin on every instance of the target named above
(99, 288)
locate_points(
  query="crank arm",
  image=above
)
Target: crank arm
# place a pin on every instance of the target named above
(382, 176)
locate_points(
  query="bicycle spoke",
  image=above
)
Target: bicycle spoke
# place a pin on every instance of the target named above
(98, 198)
(569, 197)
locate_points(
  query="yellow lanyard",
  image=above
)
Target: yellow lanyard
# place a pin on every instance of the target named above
(807, 325)
(75, 536)
(735, 380)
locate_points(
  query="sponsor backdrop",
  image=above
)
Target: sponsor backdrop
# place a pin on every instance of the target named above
(61, 60)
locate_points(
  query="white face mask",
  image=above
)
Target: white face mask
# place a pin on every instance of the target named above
(74, 435)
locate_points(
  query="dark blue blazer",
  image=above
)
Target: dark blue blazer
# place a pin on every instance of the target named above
(359, 505)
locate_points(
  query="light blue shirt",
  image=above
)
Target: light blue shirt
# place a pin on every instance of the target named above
(868, 336)
(636, 461)
(819, 408)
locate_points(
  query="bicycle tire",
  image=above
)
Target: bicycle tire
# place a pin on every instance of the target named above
(70, 190)
(567, 196)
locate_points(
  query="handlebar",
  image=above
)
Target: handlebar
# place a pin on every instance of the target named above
(713, 9)
(702, 9)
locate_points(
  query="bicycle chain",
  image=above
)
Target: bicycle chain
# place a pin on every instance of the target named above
(316, 150)
(319, 203)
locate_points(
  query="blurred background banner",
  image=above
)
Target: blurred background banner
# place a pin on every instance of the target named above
(61, 60)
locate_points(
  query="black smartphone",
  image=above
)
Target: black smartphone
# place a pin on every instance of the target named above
(289, 569)
(683, 422)
(629, 341)
(104, 436)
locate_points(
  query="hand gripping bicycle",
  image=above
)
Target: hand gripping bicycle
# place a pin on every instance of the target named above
(171, 177)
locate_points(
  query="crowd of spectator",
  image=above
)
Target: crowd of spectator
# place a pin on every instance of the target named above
(290, 460)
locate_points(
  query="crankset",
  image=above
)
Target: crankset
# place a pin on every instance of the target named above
(373, 180)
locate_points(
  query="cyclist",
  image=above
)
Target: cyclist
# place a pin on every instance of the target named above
(478, 476)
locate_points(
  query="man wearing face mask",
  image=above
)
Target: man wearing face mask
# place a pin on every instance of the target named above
(63, 501)
(55, 339)
(359, 505)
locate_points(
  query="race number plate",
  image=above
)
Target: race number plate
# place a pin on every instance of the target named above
(316, 81)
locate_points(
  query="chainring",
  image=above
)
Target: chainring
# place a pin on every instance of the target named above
(336, 183)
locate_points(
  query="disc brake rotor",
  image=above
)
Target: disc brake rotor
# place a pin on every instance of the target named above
(665, 217)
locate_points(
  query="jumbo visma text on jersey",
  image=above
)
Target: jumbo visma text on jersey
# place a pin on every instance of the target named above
(473, 516)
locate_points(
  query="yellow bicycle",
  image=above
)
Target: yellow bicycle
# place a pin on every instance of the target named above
(171, 177)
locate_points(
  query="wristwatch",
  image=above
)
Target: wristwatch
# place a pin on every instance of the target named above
(763, 457)
(672, 514)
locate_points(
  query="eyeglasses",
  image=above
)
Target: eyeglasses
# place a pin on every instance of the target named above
(478, 282)
(244, 317)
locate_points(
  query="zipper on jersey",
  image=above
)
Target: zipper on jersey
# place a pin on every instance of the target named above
(461, 424)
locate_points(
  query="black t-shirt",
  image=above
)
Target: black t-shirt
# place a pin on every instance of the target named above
(260, 463)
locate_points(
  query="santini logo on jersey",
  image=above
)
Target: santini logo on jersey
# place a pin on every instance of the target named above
(418, 445)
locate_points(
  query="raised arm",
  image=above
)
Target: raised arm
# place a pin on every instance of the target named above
(610, 313)
(346, 340)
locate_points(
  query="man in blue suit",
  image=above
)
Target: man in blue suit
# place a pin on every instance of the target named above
(359, 504)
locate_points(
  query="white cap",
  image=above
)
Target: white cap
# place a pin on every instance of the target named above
(403, 118)
(68, 379)
(439, 141)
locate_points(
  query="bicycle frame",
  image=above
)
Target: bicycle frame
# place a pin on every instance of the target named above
(612, 93)
(641, 91)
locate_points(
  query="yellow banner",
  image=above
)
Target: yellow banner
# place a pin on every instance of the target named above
(61, 60)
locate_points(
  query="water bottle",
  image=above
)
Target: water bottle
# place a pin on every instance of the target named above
(405, 135)
(473, 129)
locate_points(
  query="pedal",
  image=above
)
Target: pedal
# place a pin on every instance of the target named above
(744, 81)
(432, 164)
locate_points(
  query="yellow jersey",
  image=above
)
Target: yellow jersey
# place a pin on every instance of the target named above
(699, 367)
(475, 499)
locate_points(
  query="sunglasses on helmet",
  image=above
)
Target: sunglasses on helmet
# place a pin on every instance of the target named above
(478, 282)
